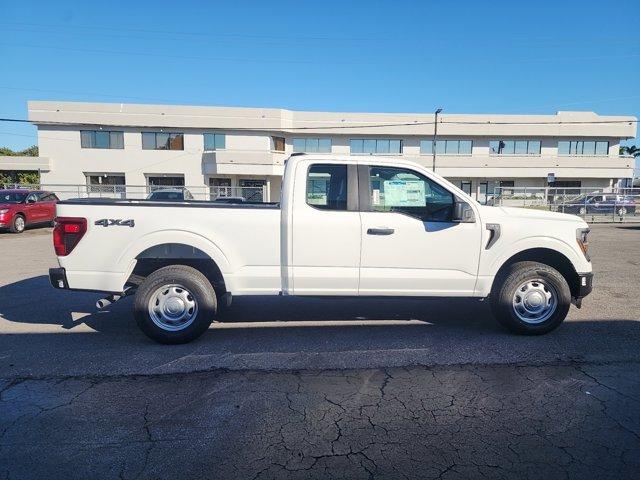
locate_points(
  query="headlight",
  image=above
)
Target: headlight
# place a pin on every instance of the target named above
(3, 210)
(583, 242)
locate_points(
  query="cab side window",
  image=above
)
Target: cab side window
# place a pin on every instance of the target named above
(327, 186)
(402, 190)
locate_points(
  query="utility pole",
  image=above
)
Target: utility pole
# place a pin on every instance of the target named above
(435, 137)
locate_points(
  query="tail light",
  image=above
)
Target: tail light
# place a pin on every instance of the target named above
(67, 232)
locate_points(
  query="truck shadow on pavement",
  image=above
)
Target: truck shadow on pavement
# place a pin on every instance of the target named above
(44, 330)
(34, 301)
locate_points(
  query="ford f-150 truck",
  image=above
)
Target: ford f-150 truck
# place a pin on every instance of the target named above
(356, 226)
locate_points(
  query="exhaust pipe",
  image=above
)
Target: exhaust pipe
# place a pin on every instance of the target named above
(113, 298)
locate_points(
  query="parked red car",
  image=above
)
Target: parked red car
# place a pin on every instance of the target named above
(19, 208)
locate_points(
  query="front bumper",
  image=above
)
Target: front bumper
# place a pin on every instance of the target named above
(586, 284)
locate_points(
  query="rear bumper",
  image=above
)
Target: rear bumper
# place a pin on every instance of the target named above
(58, 278)
(99, 282)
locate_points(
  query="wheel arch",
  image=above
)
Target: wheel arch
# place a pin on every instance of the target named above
(172, 253)
(546, 256)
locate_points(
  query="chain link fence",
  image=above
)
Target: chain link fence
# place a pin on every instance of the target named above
(594, 205)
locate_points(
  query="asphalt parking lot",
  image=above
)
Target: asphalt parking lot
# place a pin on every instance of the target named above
(311, 388)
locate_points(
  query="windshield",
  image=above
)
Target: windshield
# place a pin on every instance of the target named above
(12, 197)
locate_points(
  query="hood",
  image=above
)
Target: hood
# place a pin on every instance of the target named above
(531, 214)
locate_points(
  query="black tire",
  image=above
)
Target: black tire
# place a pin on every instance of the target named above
(180, 277)
(18, 224)
(503, 297)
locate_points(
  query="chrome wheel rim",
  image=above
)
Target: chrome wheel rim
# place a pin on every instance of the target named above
(583, 210)
(19, 224)
(622, 211)
(173, 307)
(534, 301)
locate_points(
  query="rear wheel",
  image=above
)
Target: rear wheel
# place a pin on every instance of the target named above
(531, 298)
(622, 211)
(18, 224)
(175, 304)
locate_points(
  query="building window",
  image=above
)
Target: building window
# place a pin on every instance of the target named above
(506, 187)
(214, 141)
(466, 187)
(278, 144)
(101, 139)
(446, 147)
(514, 147)
(376, 147)
(583, 147)
(566, 184)
(105, 183)
(162, 141)
(312, 145)
(156, 182)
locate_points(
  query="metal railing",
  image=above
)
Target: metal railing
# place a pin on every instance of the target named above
(593, 204)
(138, 192)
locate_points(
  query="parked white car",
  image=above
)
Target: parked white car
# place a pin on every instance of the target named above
(356, 226)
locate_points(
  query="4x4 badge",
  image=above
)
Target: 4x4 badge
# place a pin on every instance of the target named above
(108, 222)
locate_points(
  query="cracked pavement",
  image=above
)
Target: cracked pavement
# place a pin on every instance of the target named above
(436, 390)
(503, 421)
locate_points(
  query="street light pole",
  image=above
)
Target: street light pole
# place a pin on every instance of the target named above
(435, 137)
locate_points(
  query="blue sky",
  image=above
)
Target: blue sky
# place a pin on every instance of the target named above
(387, 56)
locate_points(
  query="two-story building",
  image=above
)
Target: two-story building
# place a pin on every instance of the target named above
(202, 147)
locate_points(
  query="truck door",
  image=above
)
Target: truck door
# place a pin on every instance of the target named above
(410, 245)
(325, 232)
(33, 211)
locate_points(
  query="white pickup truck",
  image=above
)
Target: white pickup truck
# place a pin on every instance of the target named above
(357, 226)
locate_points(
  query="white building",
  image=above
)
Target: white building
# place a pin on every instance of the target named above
(102, 143)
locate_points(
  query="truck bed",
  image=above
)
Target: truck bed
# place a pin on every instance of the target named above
(242, 239)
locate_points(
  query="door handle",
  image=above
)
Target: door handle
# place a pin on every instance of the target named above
(380, 231)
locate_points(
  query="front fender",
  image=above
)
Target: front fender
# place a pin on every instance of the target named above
(576, 258)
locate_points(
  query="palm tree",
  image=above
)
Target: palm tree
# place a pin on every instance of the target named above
(631, 150)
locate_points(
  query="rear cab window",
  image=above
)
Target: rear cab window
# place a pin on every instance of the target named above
(327, 187)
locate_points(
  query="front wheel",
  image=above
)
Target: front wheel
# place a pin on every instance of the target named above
(175, 304)
(18, 224)
(530, 298)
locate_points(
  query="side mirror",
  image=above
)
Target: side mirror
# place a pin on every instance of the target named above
(31, 200)
(463, 213)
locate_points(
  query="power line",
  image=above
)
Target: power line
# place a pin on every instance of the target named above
(380, 125)
(261, 60)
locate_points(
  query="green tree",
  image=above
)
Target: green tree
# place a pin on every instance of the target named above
(5, 177)
(32, 151)
(630, 150)
(29, 178)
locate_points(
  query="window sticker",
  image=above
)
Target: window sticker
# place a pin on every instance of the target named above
(404, 193)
